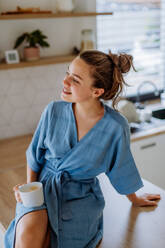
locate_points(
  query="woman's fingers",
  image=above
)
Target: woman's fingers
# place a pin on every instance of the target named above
(151, 203)
(15, 188)
(152, 197)
(16, 192)
(147, 200)
(17, 197)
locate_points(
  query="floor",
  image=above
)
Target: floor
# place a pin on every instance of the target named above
(12, 172)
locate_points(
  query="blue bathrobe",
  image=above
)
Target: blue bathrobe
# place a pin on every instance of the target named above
(68, 169)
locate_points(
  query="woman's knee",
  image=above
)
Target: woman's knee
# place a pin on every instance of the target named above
(32, 229)
(28, 237)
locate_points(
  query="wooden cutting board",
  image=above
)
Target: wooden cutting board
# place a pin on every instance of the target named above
(20, 10)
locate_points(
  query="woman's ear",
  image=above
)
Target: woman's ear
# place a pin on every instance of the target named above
(97, 92)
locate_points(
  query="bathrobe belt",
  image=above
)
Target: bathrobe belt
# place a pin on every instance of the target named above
(64, 188)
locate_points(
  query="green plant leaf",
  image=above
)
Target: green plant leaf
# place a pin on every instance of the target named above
(36, 33)
(43, 43)
(21, 39)
(44, 37)
(33, 38)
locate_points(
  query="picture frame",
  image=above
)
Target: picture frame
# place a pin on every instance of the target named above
(12, 57)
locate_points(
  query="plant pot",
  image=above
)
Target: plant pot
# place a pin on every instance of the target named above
(31, 53)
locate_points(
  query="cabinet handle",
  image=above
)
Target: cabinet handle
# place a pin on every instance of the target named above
(147, 146)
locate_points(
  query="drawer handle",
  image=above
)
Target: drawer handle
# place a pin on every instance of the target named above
(147, 146)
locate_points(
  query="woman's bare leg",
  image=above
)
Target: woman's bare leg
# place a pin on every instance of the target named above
(99, 244)
(47, 239)
(31, 230)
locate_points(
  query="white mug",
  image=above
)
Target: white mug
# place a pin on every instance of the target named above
(32, 194)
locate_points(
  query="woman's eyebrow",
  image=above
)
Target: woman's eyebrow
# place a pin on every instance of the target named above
(76, 75)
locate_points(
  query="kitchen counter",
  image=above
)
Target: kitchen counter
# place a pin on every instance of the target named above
(148, 132)
(154, 127)
(132, 227)
(124, 226)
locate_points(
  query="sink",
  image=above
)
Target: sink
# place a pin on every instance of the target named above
(159, 113)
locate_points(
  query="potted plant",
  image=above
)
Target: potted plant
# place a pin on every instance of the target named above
(34, 41)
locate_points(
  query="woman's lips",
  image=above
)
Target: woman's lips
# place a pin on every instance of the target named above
(66, 92)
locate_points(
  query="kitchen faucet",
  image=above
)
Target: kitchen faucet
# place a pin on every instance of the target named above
(156, 92)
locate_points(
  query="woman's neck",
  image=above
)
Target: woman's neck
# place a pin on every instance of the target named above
(89, 110)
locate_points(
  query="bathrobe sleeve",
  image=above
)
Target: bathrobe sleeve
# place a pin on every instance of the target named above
(122, 171)
(36, 150)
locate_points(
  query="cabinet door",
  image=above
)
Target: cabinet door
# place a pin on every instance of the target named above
(149, 155)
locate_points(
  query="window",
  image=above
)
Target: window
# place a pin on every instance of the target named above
(134, 28)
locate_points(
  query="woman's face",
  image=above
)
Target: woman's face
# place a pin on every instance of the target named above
(77, 84)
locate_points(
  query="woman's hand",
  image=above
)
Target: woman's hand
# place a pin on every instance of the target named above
(144, 200)
(31, 177)
(16, 192)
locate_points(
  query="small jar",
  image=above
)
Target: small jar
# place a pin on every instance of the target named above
(87, 39)
(162, 98)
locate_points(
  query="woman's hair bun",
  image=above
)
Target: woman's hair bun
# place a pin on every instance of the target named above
(125, 62)
(122, 61)
(108, 72)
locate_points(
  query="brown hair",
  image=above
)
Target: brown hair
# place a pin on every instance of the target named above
(107, 71)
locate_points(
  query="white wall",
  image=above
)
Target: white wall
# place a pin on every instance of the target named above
(25, 92)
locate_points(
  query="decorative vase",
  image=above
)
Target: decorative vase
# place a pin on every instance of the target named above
(64, 5)
(31, 53)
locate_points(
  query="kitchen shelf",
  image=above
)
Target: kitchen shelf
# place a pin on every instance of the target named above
(55, 15)
(42, 61)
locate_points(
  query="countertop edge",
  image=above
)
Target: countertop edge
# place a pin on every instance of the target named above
(148, 133)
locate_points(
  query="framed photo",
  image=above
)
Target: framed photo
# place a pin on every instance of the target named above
(12, 57)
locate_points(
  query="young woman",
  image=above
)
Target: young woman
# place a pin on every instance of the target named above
(76, 140)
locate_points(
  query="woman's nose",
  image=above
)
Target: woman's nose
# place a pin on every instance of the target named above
(67, 81)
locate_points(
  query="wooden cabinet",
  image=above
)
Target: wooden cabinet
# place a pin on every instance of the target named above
(149, 155)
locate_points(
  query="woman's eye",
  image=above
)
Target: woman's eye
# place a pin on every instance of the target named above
(72, 79)
(75, 81)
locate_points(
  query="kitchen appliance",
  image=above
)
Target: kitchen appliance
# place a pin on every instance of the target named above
(128, 109)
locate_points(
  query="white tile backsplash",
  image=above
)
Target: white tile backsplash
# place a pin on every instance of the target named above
(16, 86)
(16, 74)
(2, 99)
(6, 110)
(18, 100)
(5, 83)
(24, 93)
